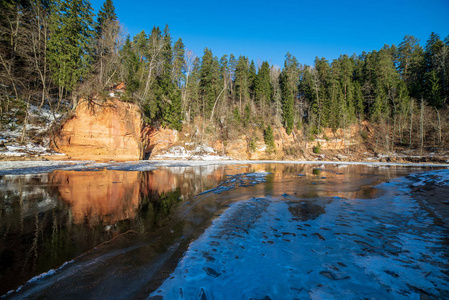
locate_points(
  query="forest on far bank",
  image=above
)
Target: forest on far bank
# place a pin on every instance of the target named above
(55, 52)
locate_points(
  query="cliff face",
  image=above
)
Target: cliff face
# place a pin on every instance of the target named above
(330, 144)
(111, 130)
(115, 130)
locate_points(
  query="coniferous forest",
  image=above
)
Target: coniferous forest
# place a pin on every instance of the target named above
(55, 52)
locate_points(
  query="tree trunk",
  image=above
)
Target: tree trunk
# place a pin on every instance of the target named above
(421, 126)
(411, 123)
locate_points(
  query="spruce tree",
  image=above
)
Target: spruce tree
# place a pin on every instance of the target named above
(412, 65)
(262, 86)
(70, 44)
(179, 63)
(252, 79)
(209, 80)
(268, 138)
(130, 65)
(105, 15)
(289, 86)
(168, 95)
(241, 81)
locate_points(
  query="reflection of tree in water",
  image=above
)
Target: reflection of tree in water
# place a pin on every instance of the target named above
(38, 231)
(305, 210)
(155, 207)
(34, 230)
(317, 172)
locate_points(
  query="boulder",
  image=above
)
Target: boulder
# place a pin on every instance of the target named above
(103, 131)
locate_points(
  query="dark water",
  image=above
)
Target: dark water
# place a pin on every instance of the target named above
(176, 232)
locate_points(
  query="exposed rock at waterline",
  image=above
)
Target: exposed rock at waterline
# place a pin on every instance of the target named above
(109, 130)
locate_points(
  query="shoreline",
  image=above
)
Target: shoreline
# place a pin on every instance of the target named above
(38, 167)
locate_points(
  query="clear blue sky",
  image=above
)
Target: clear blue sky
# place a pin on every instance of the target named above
(266, 30)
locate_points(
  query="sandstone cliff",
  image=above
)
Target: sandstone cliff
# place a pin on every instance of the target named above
(104, 130)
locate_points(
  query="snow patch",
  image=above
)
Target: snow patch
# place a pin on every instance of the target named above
(265, 248)
(11, 136)
(202, 152)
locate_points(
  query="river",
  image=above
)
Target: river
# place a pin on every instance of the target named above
(256, 231)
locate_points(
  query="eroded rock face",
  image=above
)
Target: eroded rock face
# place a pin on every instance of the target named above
(111, 130)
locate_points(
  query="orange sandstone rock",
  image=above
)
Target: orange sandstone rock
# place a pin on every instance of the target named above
(111, 130)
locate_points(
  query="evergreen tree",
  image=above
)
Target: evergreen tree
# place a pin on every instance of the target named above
(262, 85)
(179, 62)
(410, 65)
(289, 87)
(106, 44)
(336, 109)
(386, 79)
(347, 87)
(268, 138)
(140, 45)
(434, 89)
(130, 66)
(251, 79)
(70, 43)
(232, 64)
(241, 81)
(192, 92)
(322, 90)
(209, 79)
(167, 93)
(106, 14)
(433, 47)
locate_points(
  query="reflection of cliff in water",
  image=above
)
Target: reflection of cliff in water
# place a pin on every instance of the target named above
(109, 196)
(48, 219)
(99, 197)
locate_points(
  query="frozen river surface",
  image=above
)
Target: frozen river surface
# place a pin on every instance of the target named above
(242, 232)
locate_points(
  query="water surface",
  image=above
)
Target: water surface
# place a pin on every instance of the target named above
(273, 231)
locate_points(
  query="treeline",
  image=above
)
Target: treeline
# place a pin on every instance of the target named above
(55, 50)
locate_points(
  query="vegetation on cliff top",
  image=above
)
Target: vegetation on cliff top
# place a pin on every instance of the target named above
(54, 51)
